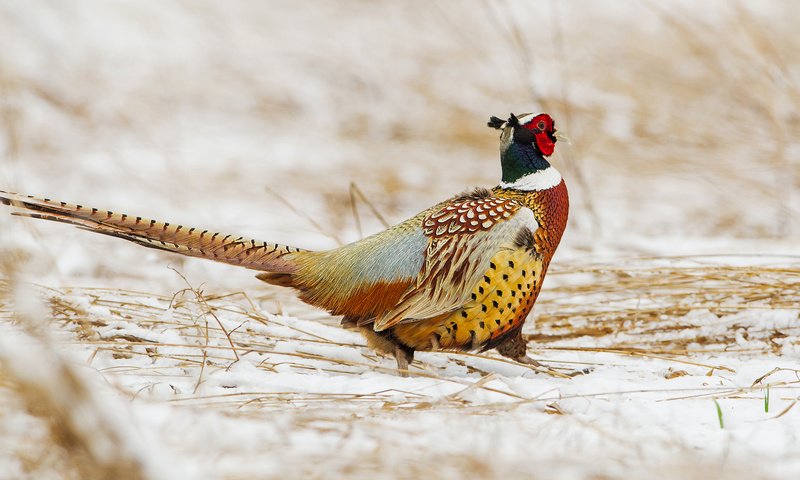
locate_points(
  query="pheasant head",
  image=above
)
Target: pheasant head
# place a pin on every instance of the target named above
(525, 142)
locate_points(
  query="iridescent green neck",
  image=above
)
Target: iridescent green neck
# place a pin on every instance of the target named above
(519, 160)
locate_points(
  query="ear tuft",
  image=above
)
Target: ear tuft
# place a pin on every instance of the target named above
(495, 122)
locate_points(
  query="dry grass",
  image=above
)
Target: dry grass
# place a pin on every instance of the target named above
(638, 309)
(82, 437)
(649, 303)
(634, 310)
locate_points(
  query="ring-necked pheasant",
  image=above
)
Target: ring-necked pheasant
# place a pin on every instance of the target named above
(461, 275)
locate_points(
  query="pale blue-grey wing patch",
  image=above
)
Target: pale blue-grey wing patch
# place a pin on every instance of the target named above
(388, 256)
(391, 256)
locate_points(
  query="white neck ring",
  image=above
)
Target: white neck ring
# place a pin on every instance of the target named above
(539, 180)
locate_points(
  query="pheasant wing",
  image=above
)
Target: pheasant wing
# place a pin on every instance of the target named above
(462, 237)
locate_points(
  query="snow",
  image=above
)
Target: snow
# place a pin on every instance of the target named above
(676, 285)
(303, 389)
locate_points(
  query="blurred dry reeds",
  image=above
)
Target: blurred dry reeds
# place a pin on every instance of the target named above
(683, 120)
(84, 436)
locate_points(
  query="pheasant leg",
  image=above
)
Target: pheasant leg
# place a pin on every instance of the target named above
(404, 357)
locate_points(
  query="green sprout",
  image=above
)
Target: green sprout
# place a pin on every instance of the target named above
(719, 414)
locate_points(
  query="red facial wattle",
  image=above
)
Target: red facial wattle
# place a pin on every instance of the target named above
(545, 143)
(543, 129)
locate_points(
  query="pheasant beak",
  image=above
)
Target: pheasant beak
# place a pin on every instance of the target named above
(562, 138)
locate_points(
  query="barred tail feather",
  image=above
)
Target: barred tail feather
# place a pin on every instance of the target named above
(194, 242)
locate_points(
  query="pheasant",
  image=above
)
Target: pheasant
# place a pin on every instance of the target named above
(462, 275)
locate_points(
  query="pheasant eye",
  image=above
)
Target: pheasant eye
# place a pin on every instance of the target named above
(540, 125)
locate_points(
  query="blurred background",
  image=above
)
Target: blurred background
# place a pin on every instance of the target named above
(683, 118)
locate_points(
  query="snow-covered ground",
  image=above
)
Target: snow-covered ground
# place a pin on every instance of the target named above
(677, 285)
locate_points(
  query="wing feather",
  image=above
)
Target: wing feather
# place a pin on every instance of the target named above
(455, 262)
(365, 278)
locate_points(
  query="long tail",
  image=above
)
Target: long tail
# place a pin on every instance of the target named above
(194, 242)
